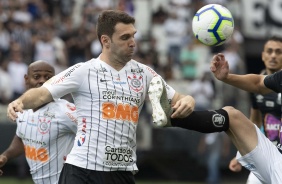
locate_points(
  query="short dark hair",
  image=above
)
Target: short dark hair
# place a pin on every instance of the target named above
(108, 20)
(275, 38)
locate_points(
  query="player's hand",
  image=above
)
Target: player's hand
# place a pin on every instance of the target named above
(13, 108)
(3, 161)
(183, 107)
(219, 66)
(235, 166)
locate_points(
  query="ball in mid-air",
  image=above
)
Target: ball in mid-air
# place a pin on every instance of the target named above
(213, 24)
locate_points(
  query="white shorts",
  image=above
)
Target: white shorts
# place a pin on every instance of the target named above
(252, 179)
(265, 161)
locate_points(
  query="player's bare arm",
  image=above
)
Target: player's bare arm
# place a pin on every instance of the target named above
(15, 149)
(182, 105)
(31, 99)
(250, 82)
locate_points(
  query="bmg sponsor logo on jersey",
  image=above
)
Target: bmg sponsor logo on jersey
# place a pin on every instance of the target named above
(36, 154)
(218, 120)
(121, 111)
(115, 155)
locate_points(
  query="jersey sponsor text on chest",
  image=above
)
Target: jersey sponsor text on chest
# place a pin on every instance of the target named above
(120, 111)
(120, 155)
(36, 154)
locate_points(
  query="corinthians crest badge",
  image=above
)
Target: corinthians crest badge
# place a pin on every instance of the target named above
(44, 124)
(135, 82)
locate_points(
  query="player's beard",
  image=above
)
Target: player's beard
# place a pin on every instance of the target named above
(129, 56)
(119, 60)
(123, 58)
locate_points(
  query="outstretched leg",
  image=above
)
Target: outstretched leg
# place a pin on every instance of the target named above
(256, 151)
(242, 131)
(238, 127)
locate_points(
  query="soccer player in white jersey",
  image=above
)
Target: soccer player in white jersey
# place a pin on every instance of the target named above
(45, 134)
(109, 93)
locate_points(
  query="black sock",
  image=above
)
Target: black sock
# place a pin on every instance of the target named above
(204, 121)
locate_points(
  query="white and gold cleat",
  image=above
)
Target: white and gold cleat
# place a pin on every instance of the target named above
(160, 105)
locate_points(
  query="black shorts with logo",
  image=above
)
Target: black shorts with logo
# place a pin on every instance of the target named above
(75, 175)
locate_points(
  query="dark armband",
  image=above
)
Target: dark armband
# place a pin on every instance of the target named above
(204, 121)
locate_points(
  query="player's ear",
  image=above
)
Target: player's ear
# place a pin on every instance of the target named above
(25, 78)
(26, 81)
(105, 41)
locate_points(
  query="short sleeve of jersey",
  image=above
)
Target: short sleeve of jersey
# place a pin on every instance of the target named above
(170, 91)
(67, 81)
(274, 81)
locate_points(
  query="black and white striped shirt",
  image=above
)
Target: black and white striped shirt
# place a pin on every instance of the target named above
(48, 136)
(108, 105)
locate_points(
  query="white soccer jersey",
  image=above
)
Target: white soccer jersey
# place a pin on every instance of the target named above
(48, 136)
(108, 104)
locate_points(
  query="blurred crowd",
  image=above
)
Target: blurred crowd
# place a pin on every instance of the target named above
(62, 32)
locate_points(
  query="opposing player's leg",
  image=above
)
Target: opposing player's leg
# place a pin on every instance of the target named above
(250, 142)
(241, 131)
(255, 151)
(239, 128)
(264, 161)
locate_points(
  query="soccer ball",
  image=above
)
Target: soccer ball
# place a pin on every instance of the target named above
(213, 24)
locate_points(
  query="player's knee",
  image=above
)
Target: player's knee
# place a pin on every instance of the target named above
(234, 115)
